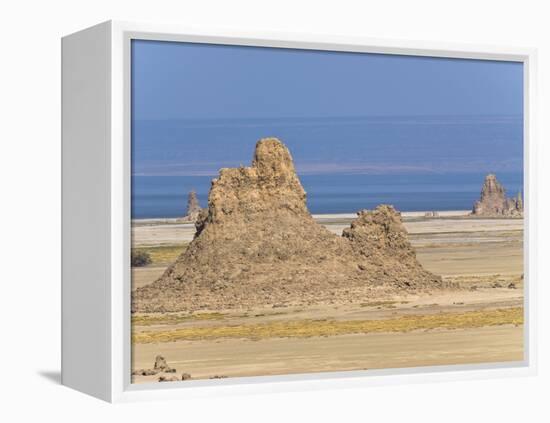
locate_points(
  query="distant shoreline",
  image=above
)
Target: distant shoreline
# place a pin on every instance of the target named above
(319, 217)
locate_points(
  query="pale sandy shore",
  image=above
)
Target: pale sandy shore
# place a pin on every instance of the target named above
(484, 256)
(152, 232)
(445, 213)
(407, 214)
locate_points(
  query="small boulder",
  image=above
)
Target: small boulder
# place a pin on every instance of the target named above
(168, 379)
(144, 372)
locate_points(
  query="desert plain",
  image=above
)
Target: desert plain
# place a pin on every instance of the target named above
(478, 321)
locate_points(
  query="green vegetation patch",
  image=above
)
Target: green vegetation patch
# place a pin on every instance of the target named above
(163, 254)
(140, 258)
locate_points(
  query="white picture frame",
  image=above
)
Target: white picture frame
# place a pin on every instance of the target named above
(96, 226)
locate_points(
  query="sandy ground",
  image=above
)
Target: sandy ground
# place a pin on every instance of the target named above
(484, 256)
(235, 357)
(144, 276)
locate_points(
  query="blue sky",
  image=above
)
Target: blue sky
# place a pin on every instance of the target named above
(182, 80)
(197, 107)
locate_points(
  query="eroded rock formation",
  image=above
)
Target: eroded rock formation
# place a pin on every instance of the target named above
(161, 365)
(258, 245)
(494, 203)
(193, 208)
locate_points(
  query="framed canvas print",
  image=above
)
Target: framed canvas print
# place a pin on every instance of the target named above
(253, 212)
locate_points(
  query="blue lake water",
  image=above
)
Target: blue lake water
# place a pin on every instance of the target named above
(166, 196)
(390, 145)
(345, 164)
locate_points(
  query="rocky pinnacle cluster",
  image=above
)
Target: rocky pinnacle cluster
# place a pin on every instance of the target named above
(494, 203)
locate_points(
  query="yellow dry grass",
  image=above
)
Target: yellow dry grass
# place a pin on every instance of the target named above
(171, 319)
(311, 328)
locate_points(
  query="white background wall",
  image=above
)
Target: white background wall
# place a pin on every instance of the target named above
(30, 206)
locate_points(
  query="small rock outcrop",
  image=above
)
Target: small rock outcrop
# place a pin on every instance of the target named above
(494, 203)
(258, 245)
(160, 366)
(378, 235)
(160, 363)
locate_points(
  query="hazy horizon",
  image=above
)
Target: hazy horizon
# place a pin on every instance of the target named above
(354, 145)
